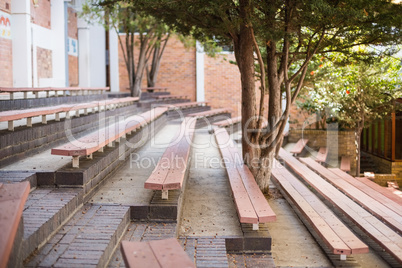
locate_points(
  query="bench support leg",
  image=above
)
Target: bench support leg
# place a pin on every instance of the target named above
(57, 117)
(76, 161)
(255, 226)
(11, 96)
(77, 113)
(342, 257)
(101, 150)
(44, 121)
(25, 95)
(11, 125)
(29, 122)
(110, 144)
(67, 115)
(89, 156)
(165, 194)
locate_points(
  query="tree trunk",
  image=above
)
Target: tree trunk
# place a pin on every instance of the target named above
(155, 64)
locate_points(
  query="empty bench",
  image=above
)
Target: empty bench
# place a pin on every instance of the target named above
(389, 240)
(171, 97)
(170, 171)
(345, 163)
(252, 206)
(165, 253)
(96, 141)
(228, 122)
(25, 90)
(377, 204)
(28, 114)
(335, 235)
(12, 201)
(184, 105)
(322, 155)
(299, 146)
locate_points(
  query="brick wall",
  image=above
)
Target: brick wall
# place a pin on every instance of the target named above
(6, 63)
(41, 14)
(5, 5)
(6, 49)
(72, 60)
(44, 63)
(385, 166)
(222, 83)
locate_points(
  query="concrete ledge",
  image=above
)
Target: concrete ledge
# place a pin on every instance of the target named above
(14, 176)
(252, 241)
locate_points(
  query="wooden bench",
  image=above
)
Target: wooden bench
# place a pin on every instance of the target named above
(228, 122)
(299, 146)
(210, 113)
(378, 231)
(171, 97)
(252, 206)
(345, 163)
(79, 90)
(170, 171)
(13, 115)
(12, 201)
(184, 105)
(96, 141)
(322, 155)
(165, 253)
(335, 235)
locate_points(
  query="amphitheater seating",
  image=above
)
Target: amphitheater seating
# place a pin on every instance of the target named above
(76, 90)
(170, 175)
(95, 141)
(13, 115)
(299, 146)
(252, 206)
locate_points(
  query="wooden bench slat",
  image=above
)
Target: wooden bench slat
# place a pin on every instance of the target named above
(158, 175)
(170, 254)
(210, 112)
(355, 244)
(378, 195)
(12, 200)
(345, 163)
(228, 122)
(362, 218)
(299, 146)
(138, 255)
(322, 155)
(393, 218)
(331, 239)
(380, 189)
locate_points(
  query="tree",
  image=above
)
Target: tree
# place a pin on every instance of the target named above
(355, 91)
(141, 31)
(283, 35)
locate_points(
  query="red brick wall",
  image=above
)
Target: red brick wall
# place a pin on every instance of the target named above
(73, 71)
(40, 15)
(177, 70)
(297, 117)
(6, 49)
(44, 63)
(6, 63)
(5, 5)
(72, 60)
(222, 83)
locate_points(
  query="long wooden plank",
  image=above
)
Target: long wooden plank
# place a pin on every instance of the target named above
(12, 200)
(244, 206)
(327, 234)
(373, 227)
(299, 146)
(354, 243)
(369, 203)
(228, 122)
(210, 112)
(383, 199)
(380, 189)
(170, 254)
(138, 254)
(322, 154)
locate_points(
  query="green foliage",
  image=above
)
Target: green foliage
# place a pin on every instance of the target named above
(356, 92)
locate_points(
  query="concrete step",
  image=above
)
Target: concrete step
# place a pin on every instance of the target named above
(87, 240)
